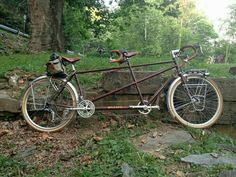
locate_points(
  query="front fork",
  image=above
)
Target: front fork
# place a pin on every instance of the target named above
(195, 97)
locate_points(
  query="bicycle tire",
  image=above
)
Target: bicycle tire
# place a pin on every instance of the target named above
(42, 112)
(205, 106)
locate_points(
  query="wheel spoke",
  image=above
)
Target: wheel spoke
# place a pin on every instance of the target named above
(44, 113)
(204, 106)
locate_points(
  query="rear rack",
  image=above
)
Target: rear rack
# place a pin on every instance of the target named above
(198, 71)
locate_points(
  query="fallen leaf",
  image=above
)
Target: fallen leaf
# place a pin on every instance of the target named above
(44, 136)
(4, 132)
(180, 174)
(85, 160)
(131, 126)
(98, 138)
(160, 156)
(21, 81)
(158, 150)
(144, 140)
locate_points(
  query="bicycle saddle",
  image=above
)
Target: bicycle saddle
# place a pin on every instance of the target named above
(130, 54)
(70, 60)
(121, 54)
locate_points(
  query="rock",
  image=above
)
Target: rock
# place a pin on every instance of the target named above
(3, 83)
(127, 170)
(208, 160)
(27, 152)
(7, 103)
(228, 173)
(169, 138)
(113, 80)
(228, 116)
(154, 135)
(227, 87)
(228, 147)
(232, 70)
(13, 81)
(65, 156)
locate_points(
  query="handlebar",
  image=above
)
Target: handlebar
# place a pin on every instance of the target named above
(119, 56)
(184, 52)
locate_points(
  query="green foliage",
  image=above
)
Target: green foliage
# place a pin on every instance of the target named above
(11, 13)
(84, 22)
(206, 142)
(10, 167)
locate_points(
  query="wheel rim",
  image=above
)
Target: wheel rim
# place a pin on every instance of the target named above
(45, 115)
(202, 112)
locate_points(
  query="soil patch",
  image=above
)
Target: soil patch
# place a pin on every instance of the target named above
(47, 149)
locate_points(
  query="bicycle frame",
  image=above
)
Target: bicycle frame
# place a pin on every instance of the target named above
(135, 82)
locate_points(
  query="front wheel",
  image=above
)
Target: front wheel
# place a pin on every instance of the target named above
(47, 104)
(197, 103)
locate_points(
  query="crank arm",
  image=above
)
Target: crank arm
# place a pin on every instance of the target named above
(145, 107)
(73, 109)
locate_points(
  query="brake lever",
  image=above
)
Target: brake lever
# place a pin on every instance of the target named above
(199, 47)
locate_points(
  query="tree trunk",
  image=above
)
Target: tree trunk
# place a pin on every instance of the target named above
(46, 25)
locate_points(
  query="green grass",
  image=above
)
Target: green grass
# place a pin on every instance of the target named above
(36, 63)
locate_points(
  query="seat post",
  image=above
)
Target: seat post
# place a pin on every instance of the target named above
(73, 67)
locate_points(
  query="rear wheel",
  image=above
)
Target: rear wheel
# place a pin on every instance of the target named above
(46, 107)
(197, 104)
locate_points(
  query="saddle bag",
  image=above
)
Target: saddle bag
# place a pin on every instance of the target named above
(55, 66)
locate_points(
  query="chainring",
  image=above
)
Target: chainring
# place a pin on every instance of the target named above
(86, 108)
(144, 110)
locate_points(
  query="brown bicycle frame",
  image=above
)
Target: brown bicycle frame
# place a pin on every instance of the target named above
(135, 82)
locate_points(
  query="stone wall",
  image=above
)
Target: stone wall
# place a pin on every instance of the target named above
(14, 82)
(112, 80)
(12, 85)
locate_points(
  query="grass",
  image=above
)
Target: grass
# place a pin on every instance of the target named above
(36, 63)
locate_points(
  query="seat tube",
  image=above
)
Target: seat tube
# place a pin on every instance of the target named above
(135, 81)
(77, 80)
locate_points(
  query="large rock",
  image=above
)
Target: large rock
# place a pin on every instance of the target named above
(150, 143)
(227, 87)
(232, 70)
(114, 80)
(210, 159)
(8, 104)
(229, 113)
(228, 173)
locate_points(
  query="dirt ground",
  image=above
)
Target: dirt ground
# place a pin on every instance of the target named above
(46, 149)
